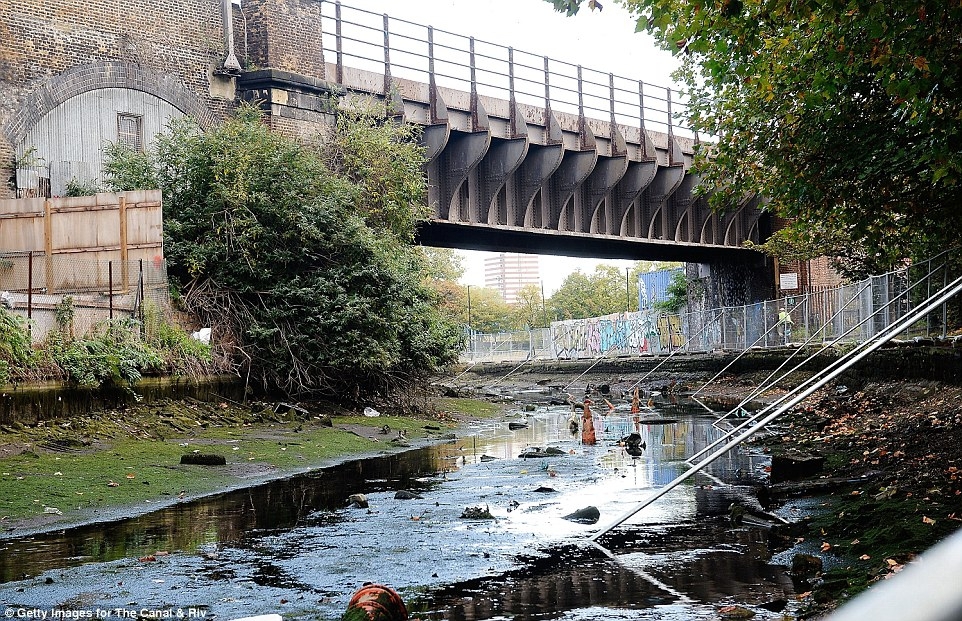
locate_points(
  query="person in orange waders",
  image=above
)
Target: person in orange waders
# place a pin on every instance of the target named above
(375, 602)
(587, 425)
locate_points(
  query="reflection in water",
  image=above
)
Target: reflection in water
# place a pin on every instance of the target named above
(295, 540)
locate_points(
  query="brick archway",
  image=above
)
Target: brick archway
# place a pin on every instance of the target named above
(99, 75)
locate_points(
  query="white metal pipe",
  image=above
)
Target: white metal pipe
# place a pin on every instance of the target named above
(880, 339)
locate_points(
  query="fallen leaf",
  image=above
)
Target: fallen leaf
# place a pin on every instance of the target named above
(113, 484)
(147, 559)
(131, 475)
(826, 546)
(927, 520)
(864, 557)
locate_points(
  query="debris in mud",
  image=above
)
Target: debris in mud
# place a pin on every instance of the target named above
(203, 459)
(477, 513)
(358, 501)
(587, 515)
(806, 565)
(545, 490)
(513, 426)
(735, 612)
(794, 465)
(533, 452)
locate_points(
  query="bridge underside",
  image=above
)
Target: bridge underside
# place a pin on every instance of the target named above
(501, 239)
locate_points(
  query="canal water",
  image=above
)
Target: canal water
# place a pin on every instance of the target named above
(295, 546)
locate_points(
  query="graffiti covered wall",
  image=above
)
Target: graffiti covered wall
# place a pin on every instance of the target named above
(617, 334)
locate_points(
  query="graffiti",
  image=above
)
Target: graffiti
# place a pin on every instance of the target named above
(612, 335)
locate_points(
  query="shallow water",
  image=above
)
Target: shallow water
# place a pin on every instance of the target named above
(296, 548)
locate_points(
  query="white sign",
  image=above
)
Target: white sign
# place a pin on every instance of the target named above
(788, 281)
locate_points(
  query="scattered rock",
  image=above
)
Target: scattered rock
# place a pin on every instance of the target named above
(358, 501)
(793, 465)
(806, 565)
(203, 459)
(515, 426)
(735, 612)
(477, 513)
(406, 495)
(487, 458)
(545, 490)
(588, 515)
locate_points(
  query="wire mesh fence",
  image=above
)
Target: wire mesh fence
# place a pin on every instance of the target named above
(35, 286)
(850, 313)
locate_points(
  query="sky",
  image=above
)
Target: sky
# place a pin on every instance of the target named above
(604, 41)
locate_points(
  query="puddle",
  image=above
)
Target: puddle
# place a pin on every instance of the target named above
(294, 546)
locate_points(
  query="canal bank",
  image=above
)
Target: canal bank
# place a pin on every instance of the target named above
(889, 445)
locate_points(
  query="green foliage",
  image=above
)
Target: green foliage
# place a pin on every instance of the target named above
(300, 256)
(846, 116)
(113, 355)
(15, 344)
(181, 353)
(64, 314)
(488, 311)
(80, 187)
(676, 294)
(591, 295)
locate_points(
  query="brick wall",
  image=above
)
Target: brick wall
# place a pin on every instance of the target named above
(53, 49)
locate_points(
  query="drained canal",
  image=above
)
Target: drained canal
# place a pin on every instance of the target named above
(296, 547)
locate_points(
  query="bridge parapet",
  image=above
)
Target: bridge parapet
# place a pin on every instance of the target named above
(531, 154)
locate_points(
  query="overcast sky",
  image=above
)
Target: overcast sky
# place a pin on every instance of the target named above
(604, 41)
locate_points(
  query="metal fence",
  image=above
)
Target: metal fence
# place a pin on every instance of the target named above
(850, 313)
(35, 285)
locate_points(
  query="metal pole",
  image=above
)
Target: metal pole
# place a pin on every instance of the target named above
(880, 340)
(338, 44)
(143, 327)
(628, 288)
(387, 57)
(110, 287)
(29, 288)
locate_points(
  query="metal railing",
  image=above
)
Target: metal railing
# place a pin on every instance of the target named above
(399, 48)
(848, 314)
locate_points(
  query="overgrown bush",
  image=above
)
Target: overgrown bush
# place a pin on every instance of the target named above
(301, 255)
(15, 345)
(113, 355)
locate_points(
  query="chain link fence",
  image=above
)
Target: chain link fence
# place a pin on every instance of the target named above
(850, 313)
(35, 286)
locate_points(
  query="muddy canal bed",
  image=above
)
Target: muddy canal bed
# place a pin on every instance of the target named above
(296, 547)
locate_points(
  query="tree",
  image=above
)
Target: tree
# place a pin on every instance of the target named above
(581, 295)
(489, 311)
(529, 309)
(299, 255)
(847, 117)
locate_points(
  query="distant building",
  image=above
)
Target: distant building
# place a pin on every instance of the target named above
(508, 273)
(653, 286)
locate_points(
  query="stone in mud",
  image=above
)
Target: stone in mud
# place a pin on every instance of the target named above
(588, 515)
(735, 612)
(545, 490)
(406, 495)
(358, 501)
(806, 565)
(794, 465)
(203, 459)
(476, 513)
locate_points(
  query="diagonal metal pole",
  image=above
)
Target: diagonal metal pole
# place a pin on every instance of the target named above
(853, 352)
(880, 339)
(768, 383)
